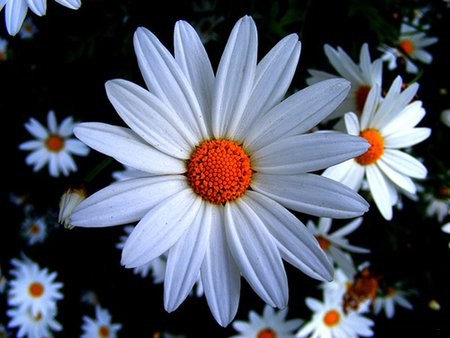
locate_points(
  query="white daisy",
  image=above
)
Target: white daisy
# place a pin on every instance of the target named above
(224, 154)
(34, 229)
(3, 49)
(69, 200)
(53, 145)
(16, 10)
(393, 296)
(438, 207)
(33, 326)
(28, 29)
(410, 46)
(362, 77)
(335, 245)
(271, 324)
(330, 321)
(33, 288)
(389, 125)
(100, 326)
(90, 297)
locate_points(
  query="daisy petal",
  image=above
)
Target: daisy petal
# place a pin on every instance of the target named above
(348, 228)
(220, 274)
(38, 158)
(311, 194)
(406, 138)
(72, 4)
(38, 7)
(161, 228)
(309, 152)
(348, 173)
(352, 123)
(51, 122)
(256, 253)
(119, 142)
(126, 201)
(379, 190)
(36, 129)
(31, 145)
(408, 118)
(15, 12)
(404, 163)
(297, 244)
(397, 178)
(66, 127)
(343, 64)
(76, 147)
(185, 258)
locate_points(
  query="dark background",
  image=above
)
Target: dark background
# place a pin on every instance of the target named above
(64, 67)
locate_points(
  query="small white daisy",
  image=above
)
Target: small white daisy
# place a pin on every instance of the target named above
(410, 46)
(3, 49)
(69, 200)
(335, 245)
(362, 77)
(15, 11)
(389, 125)
(271, 324)
(446, 228)
(392, 297)
(330, 321)
(90, 297)
(28, 29)
(222, 151)
(33, 288)
(33, 326)
(34, 230)
(438, 207)
(100, 326)
(53, 145)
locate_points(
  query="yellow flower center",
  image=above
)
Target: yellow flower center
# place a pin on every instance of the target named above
(376, 149)
(36, 289)
(266, 333)
(407, 46)
(54, 142)
(331, 318)
(323, 242)
(361, 97)
(219, 171)
(103, 331)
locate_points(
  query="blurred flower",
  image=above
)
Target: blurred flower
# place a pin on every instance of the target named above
(33, 326)
(410, 47)
(15, 11)
(69, 200)
(53, 145)
(90, 297)
(270, 325)
(34, 230)
(446, 228)
(392, 297)
(3, 282)
(28, 29)
(3, 49)
(362, 77)
(3, 332)
(206, 139)
(438, 206)
(100, 326)
(388, 124)
(445, 117)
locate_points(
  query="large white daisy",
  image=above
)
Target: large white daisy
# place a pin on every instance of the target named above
(16, 10)
(389, 125)
(225, 157)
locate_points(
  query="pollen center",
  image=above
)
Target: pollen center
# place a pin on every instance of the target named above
(376, 149)
(103, 331)
(219, 171)
(361, 97)
(407, 46)
(36, 289)
(324, 243)
(54, 143)
(331, 318)
(266, 333)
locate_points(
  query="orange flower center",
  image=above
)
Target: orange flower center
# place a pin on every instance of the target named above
(35, 229)
(266, 333)
(54, 142)
(219, 171)
(103, 331)
(36, 289)
(361, 97)
(331, 318)
(376, 149)
(323, 242)
(2, 56)
(407, 46)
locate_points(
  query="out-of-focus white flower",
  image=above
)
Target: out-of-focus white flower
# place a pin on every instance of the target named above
(28, 29)
(33, 325)
(392, 297)
(438, 207)
(34, 229)
(100, 326)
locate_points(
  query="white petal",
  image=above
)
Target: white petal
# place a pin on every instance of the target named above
(72, 4)
(348, 228)
(305, 153)
(343, 64)
(379, 190)
(76, 147)
(51, 122)
(370, 106)
(185, 258)
(66, 127)
(161, 228)
(256, 253)
(297, 114)
(31, 145)
(38, 7)
(404, 163)
(343, 261)
(220, 274)
(406, 138)
(311, 194)
(126, 201)
(408, 118)
(36, 129)
(38, 158)
(151, 119)
(127, 148)
(167, 81)
(235, 78)
(15, 12)
(352, 124)
(273, 76)
(297, 244)
(397, 178)
(53, 167)
(349, 173)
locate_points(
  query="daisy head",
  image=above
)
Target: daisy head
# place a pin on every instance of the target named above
(221, 153)
(389, 125)
(28, 29)
(100, 326)
(28, 324)
(271, 324)
(34, 230)
(53, 145)
(69, 200)
(389, 298)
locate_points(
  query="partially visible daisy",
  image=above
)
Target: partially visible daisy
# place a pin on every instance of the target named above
(3, 49)
(100, 326)
(271, 324)
(34, 229)
(222, 153)
(53, 145)
(90, 297)
(335, 244)
(33, 288)
(15, 11)
(33, 325)
(389, 125)
(362, 76)
(69, 200)
(410, 47)
(28, 29)
(445, 117)
(330, 321)
(393, 296)
(438, 206)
